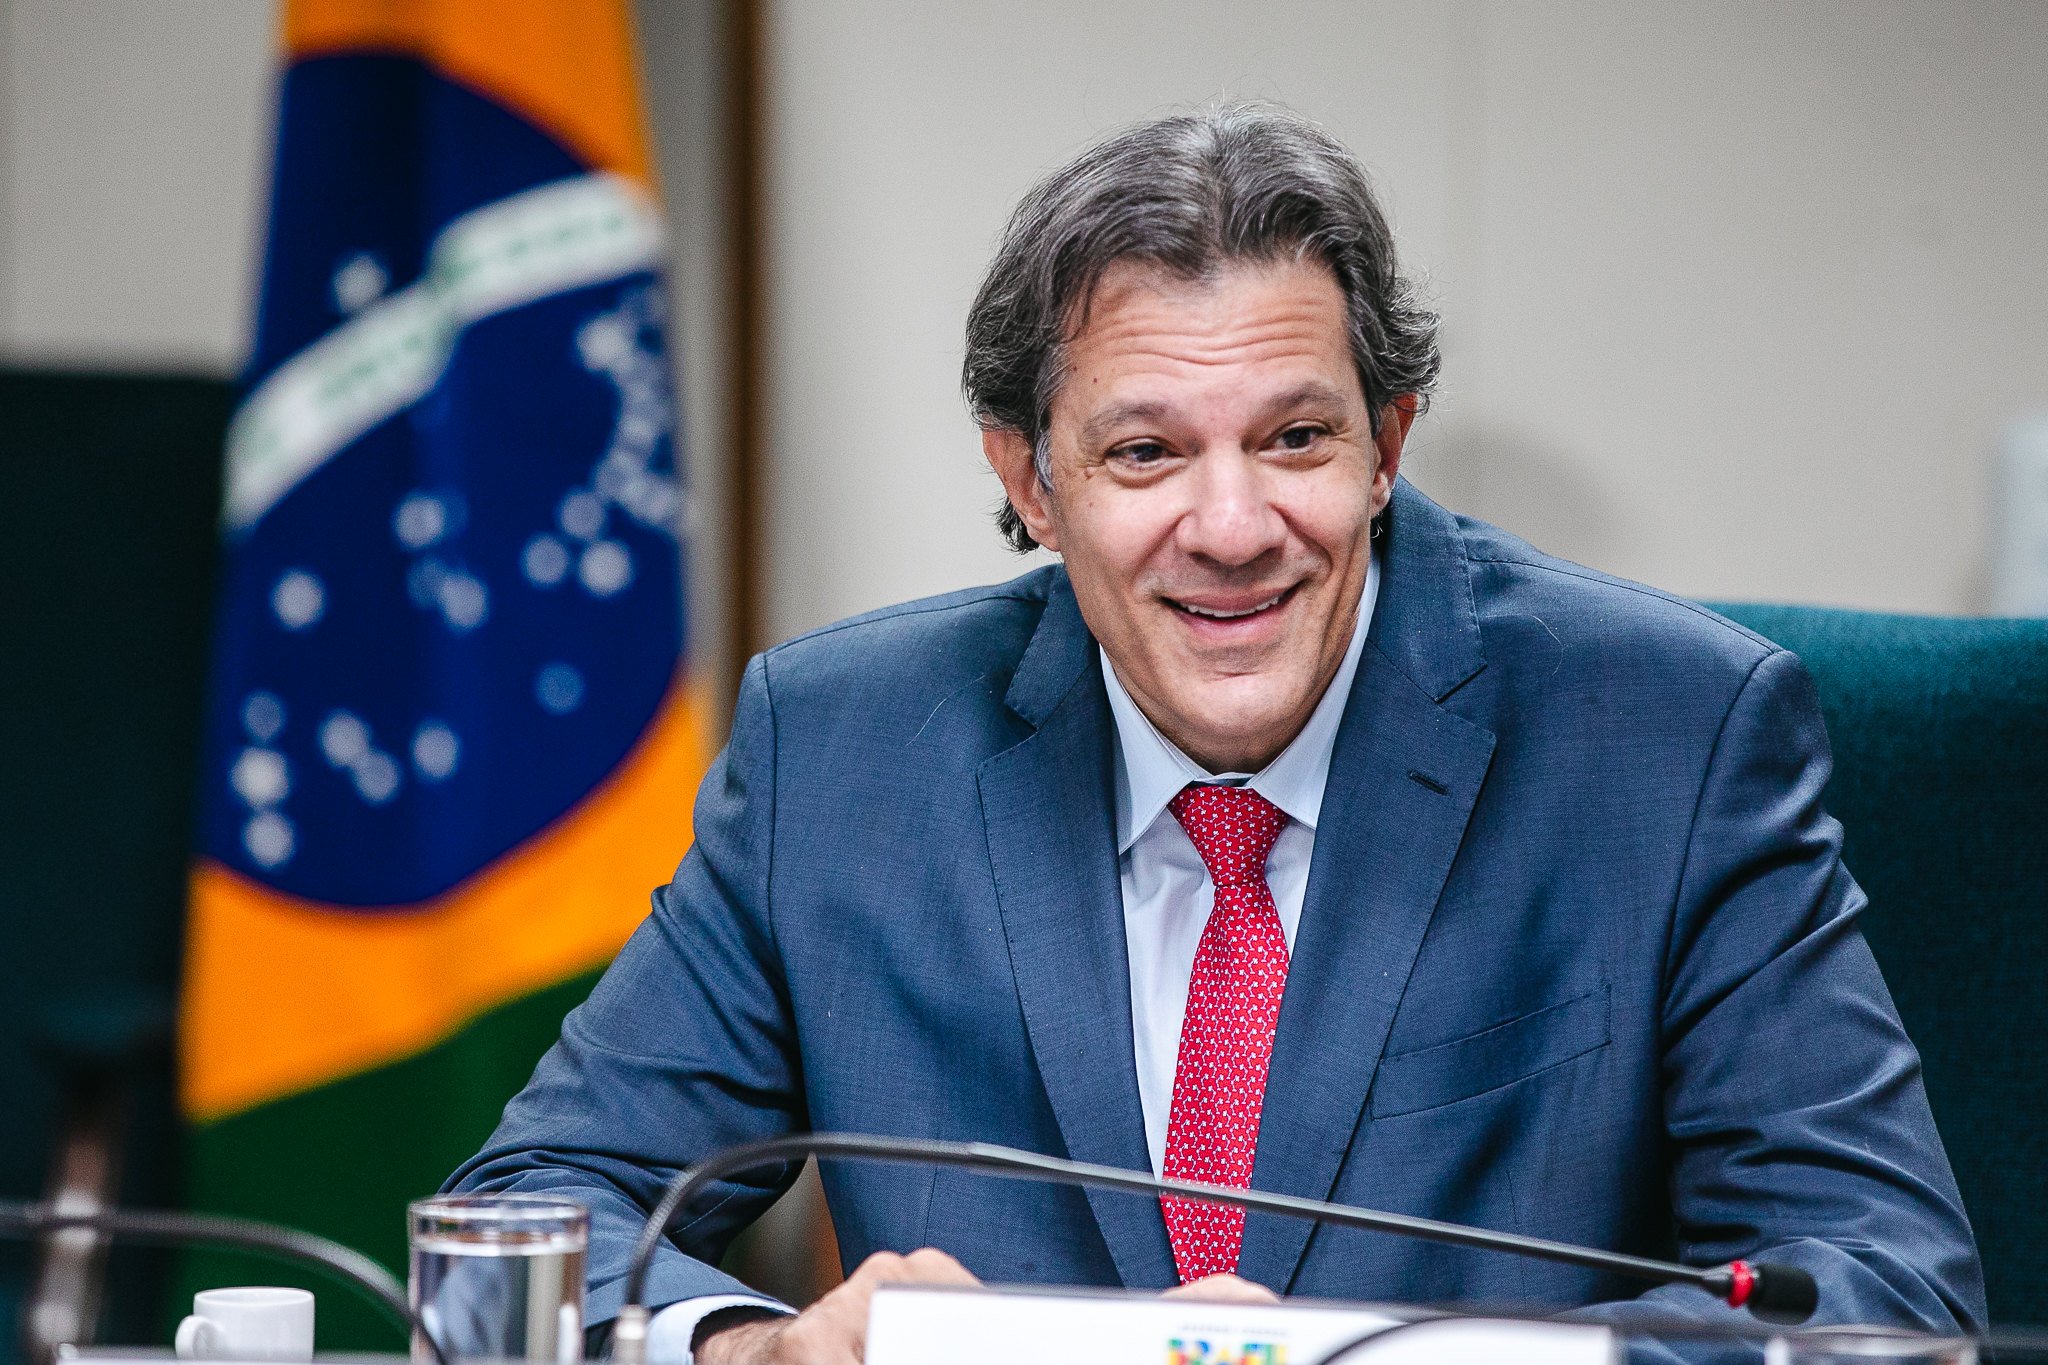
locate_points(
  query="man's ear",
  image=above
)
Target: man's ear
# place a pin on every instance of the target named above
(1009, 454)
(1395, 419)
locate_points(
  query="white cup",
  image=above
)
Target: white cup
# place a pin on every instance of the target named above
(249, 1323)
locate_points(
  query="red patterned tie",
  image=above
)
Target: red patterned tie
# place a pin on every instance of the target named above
(1226, 1039)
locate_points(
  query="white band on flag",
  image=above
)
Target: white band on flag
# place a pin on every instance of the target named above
(561, 236)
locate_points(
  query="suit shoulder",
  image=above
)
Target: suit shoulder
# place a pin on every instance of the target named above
(1519, 589)
(916, 646)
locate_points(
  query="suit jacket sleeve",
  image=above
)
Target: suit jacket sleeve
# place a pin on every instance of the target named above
(1799, 1130)
(686, 1046)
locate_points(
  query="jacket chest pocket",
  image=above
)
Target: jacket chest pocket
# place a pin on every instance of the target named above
(1493, 1057)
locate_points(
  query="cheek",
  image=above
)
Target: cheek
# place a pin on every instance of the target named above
(1335, 521)
(1115, 534)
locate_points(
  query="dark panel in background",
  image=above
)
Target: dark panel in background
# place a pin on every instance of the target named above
(109, 490)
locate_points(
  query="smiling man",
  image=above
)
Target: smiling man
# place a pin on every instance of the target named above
(1293, 832)
(1219, 469)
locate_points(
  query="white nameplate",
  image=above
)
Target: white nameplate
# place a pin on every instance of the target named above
(926, 1325)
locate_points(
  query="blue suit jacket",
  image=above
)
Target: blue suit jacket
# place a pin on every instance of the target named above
(1578, 959)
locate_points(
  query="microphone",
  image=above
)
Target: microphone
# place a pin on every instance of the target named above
(164, 1227)
(1774, 1293)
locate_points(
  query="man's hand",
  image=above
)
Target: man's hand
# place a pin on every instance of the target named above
(1223, 1289)
(834, 1330)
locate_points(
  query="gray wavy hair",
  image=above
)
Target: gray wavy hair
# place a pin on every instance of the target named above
(1233, 181)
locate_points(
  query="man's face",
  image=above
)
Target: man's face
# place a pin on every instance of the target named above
(1214, 479)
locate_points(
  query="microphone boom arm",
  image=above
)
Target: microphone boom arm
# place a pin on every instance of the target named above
(1772, 1292)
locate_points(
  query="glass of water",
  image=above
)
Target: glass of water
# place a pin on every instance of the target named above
(1873, 1346)
(500, 1276)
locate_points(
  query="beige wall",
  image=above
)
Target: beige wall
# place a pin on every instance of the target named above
(134, 141)
(1737, 296)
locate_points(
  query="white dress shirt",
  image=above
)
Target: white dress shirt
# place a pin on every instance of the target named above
(1167, 897)
(1167, 892)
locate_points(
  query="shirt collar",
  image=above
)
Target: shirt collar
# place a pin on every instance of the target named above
(1151, 769)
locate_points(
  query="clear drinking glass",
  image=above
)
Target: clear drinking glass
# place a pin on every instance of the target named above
(500, 1276)
(1874, 1346)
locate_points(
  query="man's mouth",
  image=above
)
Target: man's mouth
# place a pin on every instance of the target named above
(1222, 609)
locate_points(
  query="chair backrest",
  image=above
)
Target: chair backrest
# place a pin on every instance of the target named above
(1940, 733)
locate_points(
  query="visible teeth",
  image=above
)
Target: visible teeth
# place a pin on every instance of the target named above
(1230, 615)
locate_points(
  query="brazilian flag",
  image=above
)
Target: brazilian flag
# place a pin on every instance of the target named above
(452, 734)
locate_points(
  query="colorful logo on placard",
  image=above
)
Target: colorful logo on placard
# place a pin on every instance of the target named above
(1224, 1351)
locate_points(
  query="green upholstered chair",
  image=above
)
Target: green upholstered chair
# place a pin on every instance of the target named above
(1940, 732)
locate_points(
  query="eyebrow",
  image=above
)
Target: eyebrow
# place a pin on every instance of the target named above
(1098, 427)
(1315, 393)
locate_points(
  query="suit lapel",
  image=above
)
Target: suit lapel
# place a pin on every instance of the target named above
(1404, 775)
(1047, 804)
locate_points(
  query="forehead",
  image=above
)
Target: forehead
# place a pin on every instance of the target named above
(1247, 326)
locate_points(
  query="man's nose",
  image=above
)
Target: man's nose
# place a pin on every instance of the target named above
(1231, 517)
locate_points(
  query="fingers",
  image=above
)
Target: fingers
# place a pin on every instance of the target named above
(834, 1330)
(929, 1265)
(1223, 1289)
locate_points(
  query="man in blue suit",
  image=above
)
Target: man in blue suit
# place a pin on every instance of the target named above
(1294, 832)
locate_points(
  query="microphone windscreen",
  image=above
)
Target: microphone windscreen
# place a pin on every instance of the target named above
(1783, 1293)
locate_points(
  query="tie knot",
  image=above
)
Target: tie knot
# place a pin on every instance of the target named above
(1232, 828)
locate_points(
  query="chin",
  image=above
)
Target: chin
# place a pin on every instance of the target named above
(1250, 702)
(1223, 723)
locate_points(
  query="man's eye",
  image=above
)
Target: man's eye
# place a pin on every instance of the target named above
(1140, 452)
(1299, 438)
